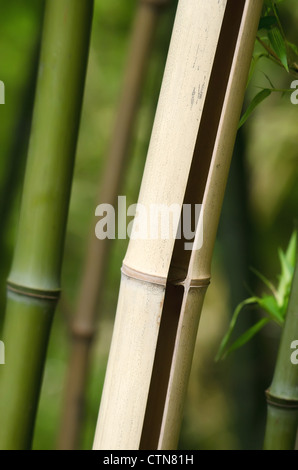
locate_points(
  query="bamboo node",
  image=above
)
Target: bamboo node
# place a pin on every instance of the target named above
(281, 402)
(35, 293)
(152, 279)
(82, 332)
(204, 282)
(134, 274)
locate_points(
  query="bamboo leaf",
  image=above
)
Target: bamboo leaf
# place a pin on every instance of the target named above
(269, 6)
(269, 81)
(264, 280)
(261, 96)
(286, 266)
(284, 280)
(266, 22)
(270, 3)
(278, 45)
(291, 250)
(270, 305)
(274, 305)
(293, 47)
(275, 11)
(253, 64)
(248, 335)
(226, 339)
(267, 303)
(287, 262)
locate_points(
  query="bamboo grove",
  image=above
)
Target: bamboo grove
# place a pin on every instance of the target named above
(164, 280)
(34, 280)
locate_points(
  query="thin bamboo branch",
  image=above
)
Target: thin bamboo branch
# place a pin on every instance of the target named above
(282, 395)
(270, 51)
(34, 280)
(83, 326)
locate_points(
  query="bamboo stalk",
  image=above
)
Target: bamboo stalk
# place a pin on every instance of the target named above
(153, 338)
(239, 44)
(83, 327)
(147, 262)
(282, 395)
(15, 166)
(34, 280)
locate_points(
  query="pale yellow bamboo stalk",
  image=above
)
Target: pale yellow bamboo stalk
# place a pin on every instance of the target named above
(146, 265)
(218, 124)
(154, 337)
(83, 324)
(200, 262)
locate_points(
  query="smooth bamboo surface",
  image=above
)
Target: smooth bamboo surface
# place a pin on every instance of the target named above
(200, 262)
(34, 280)
(173, 139)
(281, 428)
(179, 111)
(188, 162)
(83, 326)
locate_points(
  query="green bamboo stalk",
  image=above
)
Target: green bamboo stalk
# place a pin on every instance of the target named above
(282, 395)
(15, 167)
(34, 280)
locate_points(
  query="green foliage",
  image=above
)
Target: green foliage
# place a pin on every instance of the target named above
(261, 96)
(276, 48)
(274, 306)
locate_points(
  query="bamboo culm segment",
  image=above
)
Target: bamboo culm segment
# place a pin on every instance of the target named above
(34, 280)
(84, 321)
(238, 46)
(173, 138)
(154, 336)
(282, 395)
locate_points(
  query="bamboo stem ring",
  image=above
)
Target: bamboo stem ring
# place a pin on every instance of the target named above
(281, 402)
(36, 293)
(138, 275)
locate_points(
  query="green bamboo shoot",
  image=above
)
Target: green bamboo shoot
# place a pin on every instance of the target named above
(282, 395)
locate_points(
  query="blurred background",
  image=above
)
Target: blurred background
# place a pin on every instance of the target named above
(225, 407)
